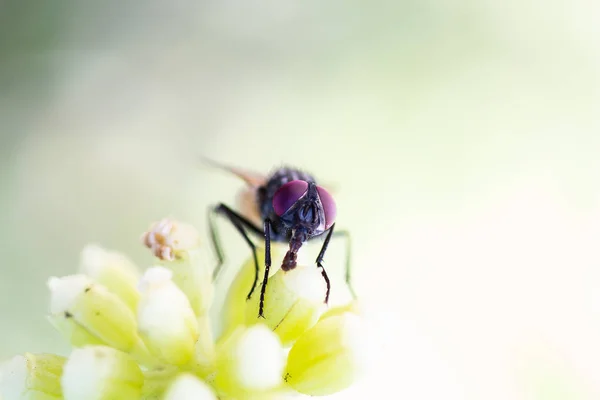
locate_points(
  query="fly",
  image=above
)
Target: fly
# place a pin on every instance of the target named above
(292, 208)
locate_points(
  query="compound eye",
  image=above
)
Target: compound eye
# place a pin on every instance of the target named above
(328, 206)
(287, 195)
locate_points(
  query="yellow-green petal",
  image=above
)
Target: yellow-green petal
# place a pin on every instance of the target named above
(157, 381)
(113, 270)
(32, 377)
(193, 274)
(328, 357)
(249, 361)
(90, 314)
(166, 320)
(294, 301)
(233, 312)
(352, 307)
(101, 373)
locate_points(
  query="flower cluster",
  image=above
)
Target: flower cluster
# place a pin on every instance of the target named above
(149, 336)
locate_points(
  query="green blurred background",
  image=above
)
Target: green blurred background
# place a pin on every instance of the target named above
(462, 138)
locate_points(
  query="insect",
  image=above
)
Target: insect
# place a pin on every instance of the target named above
(292, 208)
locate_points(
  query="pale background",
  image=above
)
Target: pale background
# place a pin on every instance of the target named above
(462, 136)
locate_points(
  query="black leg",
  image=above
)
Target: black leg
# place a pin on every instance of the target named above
(267, 267)
(240, 223)
(346, 235)
(214, 238)
(320, 261)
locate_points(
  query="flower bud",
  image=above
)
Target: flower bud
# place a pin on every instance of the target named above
(250, 360)
(193, 275)
(178, 246)
(32, 377)
(169, 239)
(188, 387)
(328, 357)
(166, 320)
(101, 373)
(112, 270)
(87, 313)
(353, 307)
(293, 302)
(233, 312)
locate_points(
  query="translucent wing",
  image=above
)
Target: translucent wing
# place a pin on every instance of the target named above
(251, 178)
(246, 198)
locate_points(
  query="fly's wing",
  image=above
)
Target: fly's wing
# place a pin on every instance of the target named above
(252, 179)
(246, 198)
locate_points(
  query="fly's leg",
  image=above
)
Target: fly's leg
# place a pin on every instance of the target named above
(346, 236)
(241, 224)
(263, 288)
(320, 262)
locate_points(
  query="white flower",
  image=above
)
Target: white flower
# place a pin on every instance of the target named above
(166, 320)
(188, 387)
(87, 313)
(177, 245)
(101, 373)
(153, 339)
(250, 360)
(32, 377)
(112, 270)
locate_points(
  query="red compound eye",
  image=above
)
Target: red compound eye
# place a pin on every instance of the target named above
(328, 206)
(287, 195)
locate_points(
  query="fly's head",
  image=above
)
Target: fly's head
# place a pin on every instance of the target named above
(305, 208)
